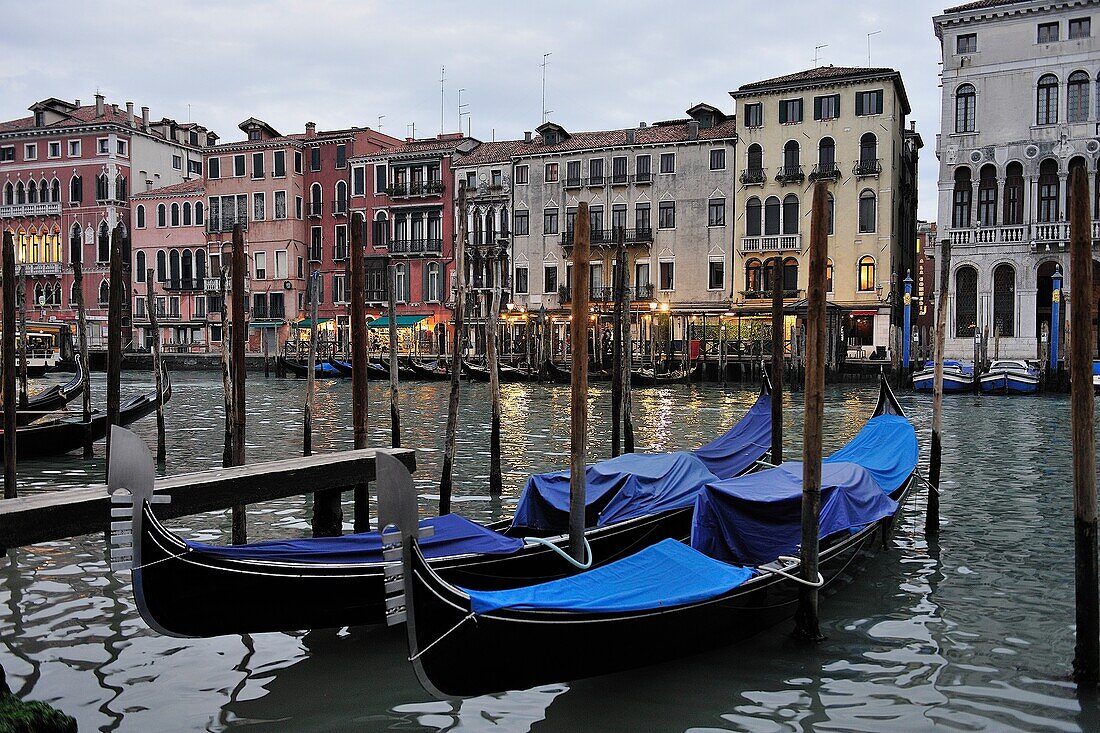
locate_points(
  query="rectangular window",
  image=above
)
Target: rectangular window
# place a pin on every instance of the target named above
(642, 221)
(358, 181)
(194, 166)
(521, 281)
(54, 150)
(618, 169)
(260, 259)
(668, 162)
(966, 43)
(550, 279)
(521, 175)
(315, 158)
(1048, 32)
(315, 244)
(595, 171)
(341, 156)
(716, 213)
(550, 221)
(520, 224)
(30, 152)
(238, 166)
(279, 169)
(74, 148)
(716, 275)
(280, 204)
(496, 180)
(754, 114)
(869, 103)
(641, 277)
(177, 162)
(790, 111)
(339, 292)
(280, 263)
(341, 243)
(642, 169)
(551, 172)
(103, 146)
(827, 107)
(668, 275)
(120, 147)
(297, 161)
(573, 173)
(257, 165)
(214, 169)
(379, 178)
(718, 159)
(1080, 28)
(298, 207)
(258, 201)
(7, 154)
(666, 215)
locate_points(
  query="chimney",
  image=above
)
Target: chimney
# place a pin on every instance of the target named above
(77, 102)
(630, 137)
(641, 125)
(145, 119)
(130, 114)
(311, 129)
(114, 108)
(693, 130)
(98, 105)
(527, 137)
(912, 125)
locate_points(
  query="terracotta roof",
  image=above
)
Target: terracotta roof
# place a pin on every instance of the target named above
(494, 152)
(79, 116)
(196, 185)
(819, 74)
(671, 132)
(983, 4)
(428, 145)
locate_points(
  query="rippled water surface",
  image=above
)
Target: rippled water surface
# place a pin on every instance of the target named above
(971, 632)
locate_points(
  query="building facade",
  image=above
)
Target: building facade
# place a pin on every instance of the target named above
(67, 174)
(846, 126)
(1020, 110)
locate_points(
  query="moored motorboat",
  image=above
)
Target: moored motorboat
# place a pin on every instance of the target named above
(1010, 376)
(957, 377)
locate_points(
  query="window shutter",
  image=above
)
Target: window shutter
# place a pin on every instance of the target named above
(799, 107)
(878, 102)
(817, 108)
(782, 112)
(836, 105)
(859, 103)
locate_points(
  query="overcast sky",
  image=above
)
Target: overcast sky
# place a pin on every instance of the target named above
(339, 63)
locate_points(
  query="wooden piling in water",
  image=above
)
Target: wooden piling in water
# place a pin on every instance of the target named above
(239, 335)
(1086, 658)
(932, 513)
(395, 396)
(10, 400)
(627, 366)
(227, 374)
(806, 618)
(446, 479)
(578, 389)
(777, 362)
(311, 372)
(162, 452)
(492, 354)
(117, 287)
(359, 358)
(82, 345)
(618, 280)
(22, 336)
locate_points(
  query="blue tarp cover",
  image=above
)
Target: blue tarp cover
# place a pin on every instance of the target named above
(454, 535)
(743, 444)
(756, 518)
(887, 447)
(632, 485)
(666, 574)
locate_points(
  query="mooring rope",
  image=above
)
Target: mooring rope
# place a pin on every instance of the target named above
(785, 558)
(547, 543)
(447, 633)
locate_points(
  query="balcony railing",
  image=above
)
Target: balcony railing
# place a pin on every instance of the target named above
(610, 237)
(754, 177)
(52, 208)
(595, 181)
(214, 285)
(218, 223)
(316, 208)
(825, 172)
(186, 284)
(340, 207)
(606, 293)
(868, 167)
(31, 269)
(486, 238)
(416, 246)
(315, 253)
(619, 179)
(573, 182)
(771, 243)
(790, 174)
(642, 179)
(767, 294)
(416, 188)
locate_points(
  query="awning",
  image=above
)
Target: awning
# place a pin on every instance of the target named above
(265, 324)
(402, 321)
(863, 313)
(306, 322)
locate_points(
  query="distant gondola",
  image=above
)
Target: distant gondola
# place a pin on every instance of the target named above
(668, 599)
(403, 372)
(57, 437)
(322, 370)
(52, 398)
(563, 376)
(645, 377)
(507, 373)
(374, 369)
(431, 371)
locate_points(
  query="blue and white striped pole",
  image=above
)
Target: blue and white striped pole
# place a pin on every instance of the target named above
(1055, 316)
(907, 322)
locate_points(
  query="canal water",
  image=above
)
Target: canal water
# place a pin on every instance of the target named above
(971, 632)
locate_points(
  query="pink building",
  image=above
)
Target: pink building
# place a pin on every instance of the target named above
(67, 173)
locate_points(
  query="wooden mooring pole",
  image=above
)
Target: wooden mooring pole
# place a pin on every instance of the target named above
(22, 336)
(82, 345)
(10, 400)
(151, 304)
(777, 362)
(806, 619)
(627, 364)
(227, 372)
(492, 354)
(239, 335)
(395, 394)
(311, 369)
(617, 280)
(1086, 658)
(446, 479)
(932, 514)
(359, 358)
(578, 390)
(117, 288)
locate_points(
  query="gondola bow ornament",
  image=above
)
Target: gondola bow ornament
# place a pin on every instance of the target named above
(397, 509)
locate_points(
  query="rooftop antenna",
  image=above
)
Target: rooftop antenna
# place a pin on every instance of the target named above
(380, 118)
(411, 129)
(816, 54)
(461, 108)
(872, 33)
(442, 79)
(545, 63)
(188, 111)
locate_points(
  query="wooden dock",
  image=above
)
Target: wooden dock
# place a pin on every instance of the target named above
(57, 515)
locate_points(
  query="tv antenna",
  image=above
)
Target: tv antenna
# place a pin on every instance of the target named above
(816, 54)
(380, 118)
(442, 79)
(872, 33)
(545, 63)
(461, 109)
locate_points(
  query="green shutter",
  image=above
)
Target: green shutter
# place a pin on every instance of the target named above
(817, 108)
(782, 112)
(859, 103)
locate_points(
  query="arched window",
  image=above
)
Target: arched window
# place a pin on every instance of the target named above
(43, 192)
(960, 213)
(120, 188)
(76, 189)
(752, 217)
(32, 193)
(771, 215)
(1014, 194)
(187, 213)
(826, 155)
(39, 296)
(162, 219)
(829, 275)
(174, 268)
(198, 213)
(104, 293)
(102, 187)
(868, 150)
(103, 251)
(187, 267)
(966, 301)
(432, 289)
(76, 248)
(9, 194)
(141, 216)
(200, 265)
(756, 158)
(867, 212)
(341, 197)
(72, 293)
(20, 193)
(1049, 190)
(504, 219)
(162, 266)
(1077, 97)
(1004, 300)
(55, 190)
(987, 196)
(866, 274)
(752, 276)
(401, 282)
(791, 158)
(315, 199)
(830, 212)
(175, 214)
(790, 274)
(964, 108)
(139, 266)
(790, 214)
(1046, 100)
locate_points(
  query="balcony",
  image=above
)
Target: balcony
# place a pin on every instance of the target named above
(216, 224)
(619, 179)
(642, 179)
(214, 285)
(486, 238)
(52, 208)
(416, 246)
(790, 174)
(595, 181)
(825, 172)
(767, 294)
(1041, 236)
(772, 243)
(340, 207)
(754, 177)
(315, 209)
(868, 167)
(606, 294)
(187, 284)
(571, 182)
(32, 269)
(610, 237)
(416, 188)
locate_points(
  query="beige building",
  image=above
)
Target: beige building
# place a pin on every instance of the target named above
(846, 126)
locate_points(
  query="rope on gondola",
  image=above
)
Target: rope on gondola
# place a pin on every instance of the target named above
(447, 633)
(547, 543)
(163, 559)
(926, 482)
(813, 584)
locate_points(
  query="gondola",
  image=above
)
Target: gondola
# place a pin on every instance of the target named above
(322, 369)
(507, 373)
(52, 398)
(1010, 376)
(671, 598)
(563, 376)
(57, 437)
(329, 582)
(645, 377)
(431, 371)
(404, 372)
(956, 377)
(374, 369)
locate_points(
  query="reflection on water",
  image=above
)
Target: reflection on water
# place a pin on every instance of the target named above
(973, 632)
